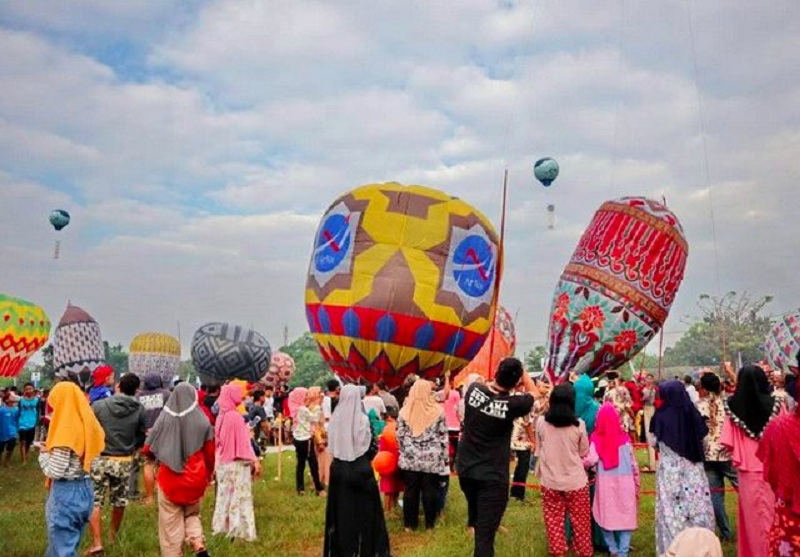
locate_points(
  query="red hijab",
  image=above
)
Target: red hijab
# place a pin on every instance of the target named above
(608, 436)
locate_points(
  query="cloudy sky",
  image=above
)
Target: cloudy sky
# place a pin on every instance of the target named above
(197, 143)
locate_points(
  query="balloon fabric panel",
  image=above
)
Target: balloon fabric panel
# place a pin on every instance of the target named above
(504, 338)
(24, 329)
(222, 351)
(401, 281)
(155, 353)
(77, 346)
(280, 370)
(616, 292)
(783, 341)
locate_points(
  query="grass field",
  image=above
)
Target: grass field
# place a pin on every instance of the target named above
(289, 525)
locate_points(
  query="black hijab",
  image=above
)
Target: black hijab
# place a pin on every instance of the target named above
(752, 406)
(678, 424)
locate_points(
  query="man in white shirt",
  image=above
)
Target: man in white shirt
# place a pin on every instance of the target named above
(693, 394)
(373, 401)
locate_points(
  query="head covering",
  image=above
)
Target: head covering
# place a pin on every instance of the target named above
(375, 422)
(695, 542)
(586, 406)
(779, 451)
(180, 430)
(349, 434)
(420, 410)
(451, 410)
(73, 424)
(152, 381)
(751, 406)
(297, 398)
(101, 375)
(313, 397)
(609, 436)
(678, 424)
(232, 435)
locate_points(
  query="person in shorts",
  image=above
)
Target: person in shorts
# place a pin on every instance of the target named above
(122, 418)
(9, 416)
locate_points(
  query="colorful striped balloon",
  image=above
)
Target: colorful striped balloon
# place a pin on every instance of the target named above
(24, 329)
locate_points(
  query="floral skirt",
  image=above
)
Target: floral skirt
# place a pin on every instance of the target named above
(233, 511)
(784, 536)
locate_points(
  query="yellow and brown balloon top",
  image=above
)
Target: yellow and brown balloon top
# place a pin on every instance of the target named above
(401, 281)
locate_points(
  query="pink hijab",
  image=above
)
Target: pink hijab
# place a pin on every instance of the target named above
(608, 436)
(297, 398)
(232, 436)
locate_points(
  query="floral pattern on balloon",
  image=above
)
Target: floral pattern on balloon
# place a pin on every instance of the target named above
(617, 289)
(280, 371)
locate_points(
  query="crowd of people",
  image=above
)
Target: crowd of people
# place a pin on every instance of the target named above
(579, 438)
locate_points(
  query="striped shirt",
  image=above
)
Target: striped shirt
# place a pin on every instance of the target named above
(61, 464)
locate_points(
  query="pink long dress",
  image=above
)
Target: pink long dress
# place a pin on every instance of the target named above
(756, 499)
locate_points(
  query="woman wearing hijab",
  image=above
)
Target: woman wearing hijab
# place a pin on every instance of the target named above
(236, 464)
(748, 411)
(682, 495)
(182, 442)
(422, 436)
(779, 450)
(306, 409)
(616, 496)
(354, 522)
(453, 420)
(74, 439)
(586, 408)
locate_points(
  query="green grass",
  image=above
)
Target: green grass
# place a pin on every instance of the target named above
(289, 525)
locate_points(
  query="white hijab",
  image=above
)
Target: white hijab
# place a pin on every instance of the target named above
(349, 432)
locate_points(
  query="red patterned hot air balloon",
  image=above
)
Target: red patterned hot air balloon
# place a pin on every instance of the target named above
(617, 290)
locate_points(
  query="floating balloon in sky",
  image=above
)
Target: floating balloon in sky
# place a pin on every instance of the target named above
(616, 292)
(546, 171)
(155, 353)
(59, 218)
(487, 360)
(401, 281)
(221, 351)
(783, 341)
(24, 329)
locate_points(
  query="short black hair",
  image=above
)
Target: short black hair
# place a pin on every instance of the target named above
(28, 384)
(611, 375)
(711, 383)
(332, 385)
(258, 393)
(509, 372)
(688, 380)
(562, 407)
(128, 384)
(381, 385)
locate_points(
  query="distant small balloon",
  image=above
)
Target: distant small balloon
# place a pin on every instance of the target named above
(59, 219)
(546, 171)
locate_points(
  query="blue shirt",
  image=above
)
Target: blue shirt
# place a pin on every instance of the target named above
(8, 422)
(28, 412)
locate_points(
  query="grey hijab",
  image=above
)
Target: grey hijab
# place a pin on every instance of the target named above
(349, 432)
(180, 430)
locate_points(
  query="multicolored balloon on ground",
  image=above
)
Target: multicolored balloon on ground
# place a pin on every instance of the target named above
(24, 329)
(222, 351)
(280, 371)
(487, 360)
(77, 346)
(155, 353)
(617, 290)
(783, 341)
(401, 281)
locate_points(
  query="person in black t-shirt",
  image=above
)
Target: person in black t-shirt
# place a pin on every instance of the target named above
(484, 451)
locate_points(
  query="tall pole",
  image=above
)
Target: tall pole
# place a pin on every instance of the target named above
(660, 353)
(499, 273)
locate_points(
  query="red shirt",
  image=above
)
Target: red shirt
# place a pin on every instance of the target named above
(190, 485)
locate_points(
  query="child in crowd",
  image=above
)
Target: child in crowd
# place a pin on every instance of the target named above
(9, 419)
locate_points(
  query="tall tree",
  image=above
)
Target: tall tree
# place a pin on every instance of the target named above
(731, 326)
(533, 359)
(117, 358)
(310, 368)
